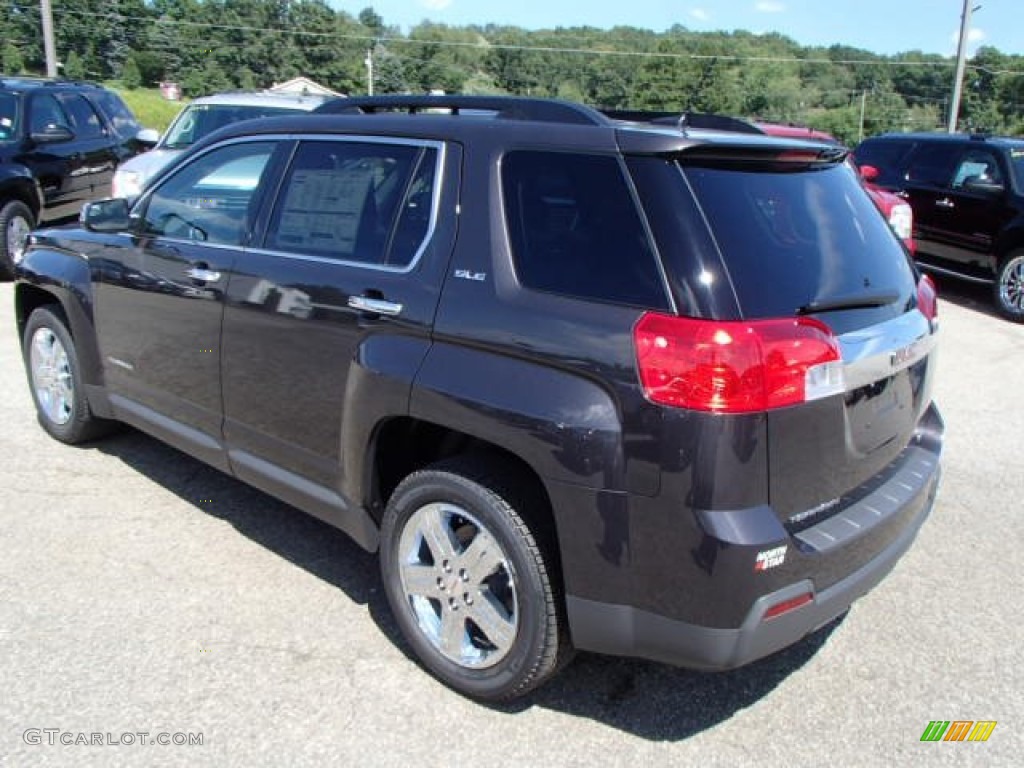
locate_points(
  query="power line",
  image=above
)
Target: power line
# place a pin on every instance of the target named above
(488, 45)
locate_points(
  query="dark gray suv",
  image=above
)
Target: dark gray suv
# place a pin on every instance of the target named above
(582, 382)
(967, 192)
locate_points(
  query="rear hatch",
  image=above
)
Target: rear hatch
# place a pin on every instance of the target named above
(793, 258)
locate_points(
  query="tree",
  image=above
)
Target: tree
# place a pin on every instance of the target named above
(12, 60)
(74, 69)
(131, 78)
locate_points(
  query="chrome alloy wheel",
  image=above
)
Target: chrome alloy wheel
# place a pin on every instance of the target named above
(17, 237)
(51, 376)
(459, 584)
(1011, 285)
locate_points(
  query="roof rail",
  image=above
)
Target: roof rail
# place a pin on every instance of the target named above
(684, 120)
(505, 107)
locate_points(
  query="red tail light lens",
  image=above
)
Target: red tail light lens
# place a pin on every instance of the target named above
(928, 298)
(736, 367)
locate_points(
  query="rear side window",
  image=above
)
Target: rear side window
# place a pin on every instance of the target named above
(887, 156)
(368, 202)
(791, 240)
(84, 120)
(932, 164)
(575, 230)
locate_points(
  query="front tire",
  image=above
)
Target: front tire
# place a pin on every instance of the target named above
(16, 221)
(470, 587)
(55, 379)
(1009, 287)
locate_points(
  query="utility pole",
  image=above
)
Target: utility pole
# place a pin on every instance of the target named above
(961, 61)
(863, 105)
(369, 71)
(48, 47)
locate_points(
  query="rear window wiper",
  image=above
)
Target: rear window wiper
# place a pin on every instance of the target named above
(859, 301)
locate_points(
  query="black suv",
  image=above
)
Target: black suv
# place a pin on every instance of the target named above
(967, 193)
(583, 382)
(60, 142)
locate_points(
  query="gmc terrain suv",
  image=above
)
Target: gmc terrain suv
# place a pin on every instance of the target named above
(60, 142)
(584, 383)
(967, 192)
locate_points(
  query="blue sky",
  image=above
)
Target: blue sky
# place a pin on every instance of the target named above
(882, 26)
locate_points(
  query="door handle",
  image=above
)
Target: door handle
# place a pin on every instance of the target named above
(945, 202)
(374, 306)
(203, 275)
(902, 193)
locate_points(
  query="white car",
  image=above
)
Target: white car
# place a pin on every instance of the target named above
(200, 118)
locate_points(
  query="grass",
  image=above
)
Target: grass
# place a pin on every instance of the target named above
(151, 109)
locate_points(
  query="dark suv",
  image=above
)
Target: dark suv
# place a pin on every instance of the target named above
(584, 382)
(967, 193)
(60, 142)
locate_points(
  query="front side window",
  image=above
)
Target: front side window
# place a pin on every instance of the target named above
(367, 202)
(45, 114)
(575, 230)
(977, 165)
(209, 200)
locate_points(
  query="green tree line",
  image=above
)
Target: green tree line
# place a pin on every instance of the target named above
(213, 45)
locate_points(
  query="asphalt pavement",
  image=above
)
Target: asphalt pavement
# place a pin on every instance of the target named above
(145, 597)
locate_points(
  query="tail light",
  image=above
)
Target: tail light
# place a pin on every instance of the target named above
(928, 299)
(736, 367)
(901, 219)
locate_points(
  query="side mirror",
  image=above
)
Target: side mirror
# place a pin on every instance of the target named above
(110, 215)
(148, 136)
(983, 186)
(52, 134)
(869, 172)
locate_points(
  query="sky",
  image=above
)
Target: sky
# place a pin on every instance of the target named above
(881, 26)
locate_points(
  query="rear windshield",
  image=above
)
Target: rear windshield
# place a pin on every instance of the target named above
(201, 120)
(795, 240)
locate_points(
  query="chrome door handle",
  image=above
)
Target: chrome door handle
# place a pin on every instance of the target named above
(203, 275)
(374, 306)
(945, 202)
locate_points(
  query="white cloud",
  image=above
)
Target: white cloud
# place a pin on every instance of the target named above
(435, 5)
(975, 37)
(769, 6)
(699, 14)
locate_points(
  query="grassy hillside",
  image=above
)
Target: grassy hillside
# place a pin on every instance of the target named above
(149, 106)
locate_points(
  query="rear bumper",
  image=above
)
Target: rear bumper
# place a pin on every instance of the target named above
(624, 630)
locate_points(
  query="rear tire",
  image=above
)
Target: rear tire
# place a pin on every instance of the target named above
(1009, 287)
(55, 379)
(470, 587)
(16, 221)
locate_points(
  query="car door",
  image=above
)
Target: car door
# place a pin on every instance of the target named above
(51, 150)
(95, 151)
(161, 300)
(340, 297)
(925, 185)
(974, 209)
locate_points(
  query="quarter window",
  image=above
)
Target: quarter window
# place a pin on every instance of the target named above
(210, 199)
(367, 202)
(575, 230)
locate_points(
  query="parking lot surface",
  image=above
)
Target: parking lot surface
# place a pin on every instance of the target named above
(142, 592)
